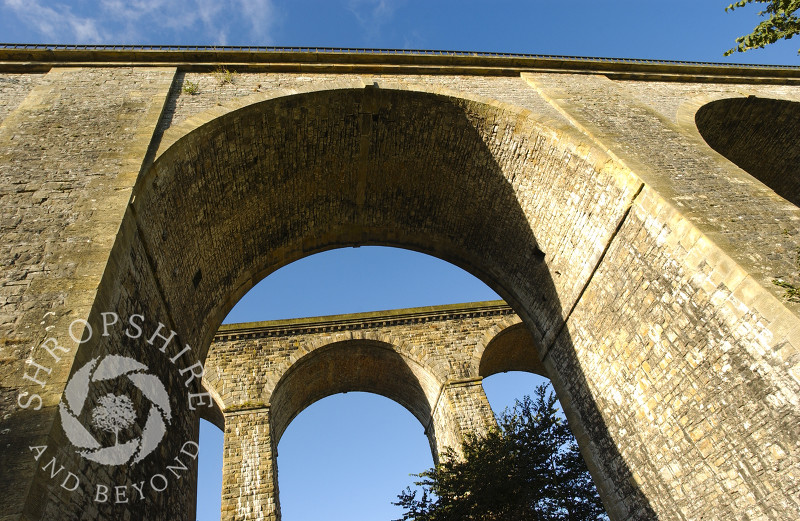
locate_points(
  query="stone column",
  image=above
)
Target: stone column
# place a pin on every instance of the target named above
(249, 468)
(70, 152)
(462, 409)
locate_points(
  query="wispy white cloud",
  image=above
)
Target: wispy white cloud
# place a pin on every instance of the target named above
(208, 11)
(373, 14)
(414, 40)
(262, 16)
(53, 22)
(85, 30)
(371, 11)
(132, 10)
(145, 21)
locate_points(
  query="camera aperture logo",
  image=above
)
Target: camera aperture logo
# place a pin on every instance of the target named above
(114, 410)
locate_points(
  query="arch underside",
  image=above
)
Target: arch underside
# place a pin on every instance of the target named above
(512, 349)
(365, 366)
(760, 136)
(447, 177)
(529, 210)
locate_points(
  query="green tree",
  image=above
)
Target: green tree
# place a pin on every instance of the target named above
(782, 22)
(529, 468)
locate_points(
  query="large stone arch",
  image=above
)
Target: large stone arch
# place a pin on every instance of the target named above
(626, 298)
(483, 186)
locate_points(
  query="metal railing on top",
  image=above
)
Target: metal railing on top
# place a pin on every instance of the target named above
(357, 50)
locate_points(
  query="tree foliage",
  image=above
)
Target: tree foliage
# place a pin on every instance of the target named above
(528, 468)
(782, 22)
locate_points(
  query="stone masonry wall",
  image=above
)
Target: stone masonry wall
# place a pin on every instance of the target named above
(248, 363)
(214, 92)
(13, 90)
(681, 328)
(249, 467)
(650, 127)
(663, 355)
(641, 261)
(72, 143)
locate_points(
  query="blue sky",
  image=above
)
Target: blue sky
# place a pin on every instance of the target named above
(347, 457)
(679, 29)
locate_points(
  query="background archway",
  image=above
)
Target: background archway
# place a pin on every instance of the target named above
(318, 443)
(759, 135)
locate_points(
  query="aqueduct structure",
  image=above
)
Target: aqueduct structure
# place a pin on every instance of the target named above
(429, 360)
(640, 218)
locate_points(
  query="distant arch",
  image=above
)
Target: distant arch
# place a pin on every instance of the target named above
(759, 135)
(510, 349)
(213, 412)
(358, 365)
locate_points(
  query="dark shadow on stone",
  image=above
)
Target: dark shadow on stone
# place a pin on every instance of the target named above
(759, 135)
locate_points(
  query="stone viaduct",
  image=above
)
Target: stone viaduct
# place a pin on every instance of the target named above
(640, 218)
(430, 360)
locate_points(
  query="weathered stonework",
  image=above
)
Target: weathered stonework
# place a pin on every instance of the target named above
(639, 259)
(427, 359)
